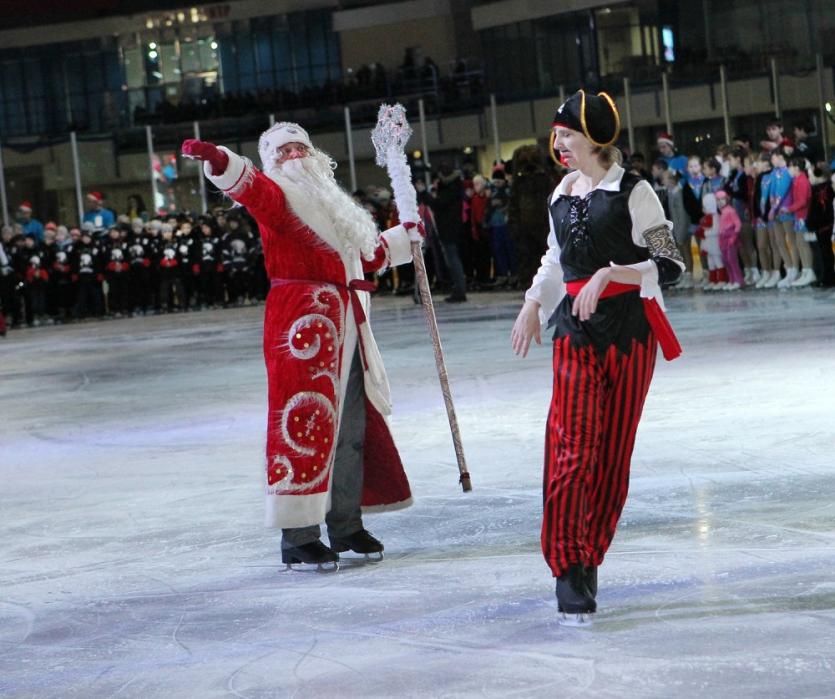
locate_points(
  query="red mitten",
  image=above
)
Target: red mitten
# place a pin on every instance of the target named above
(201, 150)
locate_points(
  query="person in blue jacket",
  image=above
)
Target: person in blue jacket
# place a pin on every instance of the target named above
(667, 149)
(101, 218)
(780, 220)
(31, 226)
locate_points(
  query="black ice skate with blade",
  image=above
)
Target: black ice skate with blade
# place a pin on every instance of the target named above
(591, 580)
(315, 553)
(359, 542)
(574, 599)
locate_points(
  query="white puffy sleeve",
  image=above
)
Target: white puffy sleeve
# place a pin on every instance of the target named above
(548, 287)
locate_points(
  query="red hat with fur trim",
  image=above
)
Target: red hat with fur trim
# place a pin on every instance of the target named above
(25, 206)
(96, 196)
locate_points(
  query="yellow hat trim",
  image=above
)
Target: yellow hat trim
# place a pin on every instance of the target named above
(583, 118)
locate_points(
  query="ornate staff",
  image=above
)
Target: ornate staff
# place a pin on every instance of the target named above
(389, 138)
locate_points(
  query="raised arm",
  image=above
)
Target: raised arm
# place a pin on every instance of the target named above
(239, 179)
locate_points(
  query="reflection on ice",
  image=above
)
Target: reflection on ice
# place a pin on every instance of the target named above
(133, 560)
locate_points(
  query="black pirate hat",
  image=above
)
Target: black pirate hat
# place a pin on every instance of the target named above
(595, 116)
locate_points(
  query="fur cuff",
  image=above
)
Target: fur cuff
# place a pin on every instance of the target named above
(398, 245)
(239, 174)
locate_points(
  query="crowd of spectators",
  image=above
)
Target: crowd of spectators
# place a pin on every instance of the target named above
(753, 215)
(748, 216)
(482, 234)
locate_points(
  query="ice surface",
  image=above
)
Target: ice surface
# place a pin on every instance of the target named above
(133, 561)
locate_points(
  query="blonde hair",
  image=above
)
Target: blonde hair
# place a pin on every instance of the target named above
(608, 155)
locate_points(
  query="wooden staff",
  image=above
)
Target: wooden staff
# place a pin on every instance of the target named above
(440, 363)
(390, 137)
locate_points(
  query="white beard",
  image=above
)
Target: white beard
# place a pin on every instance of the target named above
(323, 206)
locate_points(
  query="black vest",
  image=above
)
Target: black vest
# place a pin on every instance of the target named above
(593, 231)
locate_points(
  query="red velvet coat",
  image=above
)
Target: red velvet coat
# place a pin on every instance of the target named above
(311, 327)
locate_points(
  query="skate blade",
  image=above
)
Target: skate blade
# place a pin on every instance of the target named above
(361, 559)
(577, 621)
(311, 567)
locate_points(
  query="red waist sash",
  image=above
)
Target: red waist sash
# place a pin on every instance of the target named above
(656, 317)
(352, 288)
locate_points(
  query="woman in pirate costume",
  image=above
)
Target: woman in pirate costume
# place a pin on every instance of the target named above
(599, 286)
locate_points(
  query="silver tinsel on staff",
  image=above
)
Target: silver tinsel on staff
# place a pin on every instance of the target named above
(389, 138)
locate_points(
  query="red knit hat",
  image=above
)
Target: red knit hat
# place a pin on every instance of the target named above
(50, 226)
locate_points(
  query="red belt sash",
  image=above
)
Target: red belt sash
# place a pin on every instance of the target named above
(352, 288)
(656, 317)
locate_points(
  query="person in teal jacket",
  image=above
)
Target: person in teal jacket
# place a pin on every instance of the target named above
(780, 219)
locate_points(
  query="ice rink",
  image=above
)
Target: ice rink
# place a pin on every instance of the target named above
(134, 563)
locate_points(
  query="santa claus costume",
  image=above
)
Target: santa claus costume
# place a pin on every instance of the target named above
(609, 249)
(330, 453)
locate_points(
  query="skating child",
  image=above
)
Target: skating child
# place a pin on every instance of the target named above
(35, 288)
(140, 258)
(717, 274)
(820, 221)
(63, 286)
(740, 184)
(682, 230)
(801, 197)
(782, 222)
(207, 264)
(769, 256)
(692, 191)
(169, 262)
(117, 275)
(236, 270)
(730, 228)
(87, 273)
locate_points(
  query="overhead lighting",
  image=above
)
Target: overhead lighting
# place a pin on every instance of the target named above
(153, 55)
(829, 106)
(468, 150)
(152, 45)
(213, 45)
(417, 155)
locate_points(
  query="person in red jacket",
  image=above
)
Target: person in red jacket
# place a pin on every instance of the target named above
(800, 199)
(480, 231)
(330, 453)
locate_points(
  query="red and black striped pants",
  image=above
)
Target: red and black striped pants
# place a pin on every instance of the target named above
(595, 410)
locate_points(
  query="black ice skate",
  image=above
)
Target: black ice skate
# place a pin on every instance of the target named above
(359, 542)
(574, 599)
(315, 553)
(591, 580)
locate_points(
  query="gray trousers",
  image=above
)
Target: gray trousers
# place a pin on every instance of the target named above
(345, 516)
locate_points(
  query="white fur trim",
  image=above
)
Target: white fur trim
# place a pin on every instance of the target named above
(391, 507)
(239, 173)
(401, 184)
(291, 511)
(398, 245)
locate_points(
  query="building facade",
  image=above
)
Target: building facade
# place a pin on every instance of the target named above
(232, 65)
